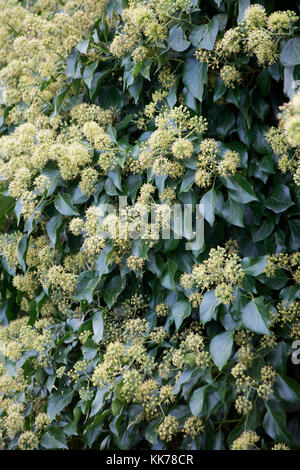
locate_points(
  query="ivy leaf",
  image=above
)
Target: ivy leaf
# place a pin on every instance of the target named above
(263, 231)
(187, 181)
(89, 73)
(256, 316)
(294, 242)
(204, 36)
(290, 52)
(221, 348)
(209, 201)
(288, 389)
(280, 199)
(233, 212)
(64, 206)
(52, 227)
(208, 306)
(58, 401)
(195, 77)
(86, 285)
(22, 248)
(274, 423)
(181, 310)
(240, 189)
(54, 438)
(254, 266)
(167, 279)
(58, 100)
(177, 40)
(113, 289)
(98, 326)
(243, 5)
(54, 177)
(197, 400)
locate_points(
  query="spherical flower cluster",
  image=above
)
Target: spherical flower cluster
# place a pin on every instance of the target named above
(280, 446)
(168, 145)
(246, 441)
(182, 148)
(36, 48)
(265, 388)
(230, 76)
(168, 428)
(255, 17)
(280, 22)
(28, 440)
(162, 310)
(41, 422)
(146, 24)
(193, 426)
(257, 35)
(210, 164)
(135, 263)
(89, 178)
(261, 43)
(290, 119)
(222, 268)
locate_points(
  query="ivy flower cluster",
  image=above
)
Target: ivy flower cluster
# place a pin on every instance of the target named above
(169, 145)
(221, 270)
(35, 44)
(144, 24)
(210, 164)
(258, 36)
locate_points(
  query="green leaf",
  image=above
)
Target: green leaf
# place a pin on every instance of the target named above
(221, 348)
(52, 228)
(209, 201)
(54, 438)
(85, 286)
(134, 182)
(195, 77)
(256, 316)
(294, 241)
(113, 289)
(58, 401)
(64, 205)
(187, 181)
(204, 36)
(288, 389)
(54, 177)
(219, 89)
(243, 5)
(98, 400)
(280, 199)
(290, 52)
(180, 310)
(177, 40)
(263, 231)
(98, 326)
(58, 100)
(208, 306)
(89, 73)
(254, 266)
(197, 400)
(274, 423)
(5, 204)
(233, 212)
(225, 123)
(22, 249)
(240, 189)
(167, 279)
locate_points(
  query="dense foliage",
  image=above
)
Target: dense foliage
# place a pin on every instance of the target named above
(140, 343)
